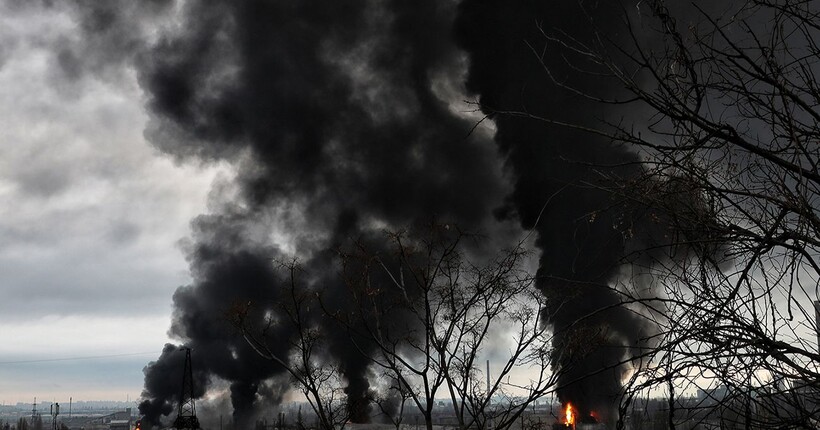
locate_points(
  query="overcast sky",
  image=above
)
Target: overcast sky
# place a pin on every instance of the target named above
(92, 215)
(90, 219)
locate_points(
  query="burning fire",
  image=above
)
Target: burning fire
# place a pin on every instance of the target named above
(569, 415)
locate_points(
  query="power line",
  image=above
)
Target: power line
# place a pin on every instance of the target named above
(91, 357)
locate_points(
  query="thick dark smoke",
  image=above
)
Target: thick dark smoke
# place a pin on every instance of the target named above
(560, 190)
(228, 265)
(339, 119)
(566, 182)
(167, 385)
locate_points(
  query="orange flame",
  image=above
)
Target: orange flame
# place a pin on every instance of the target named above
(569, 415)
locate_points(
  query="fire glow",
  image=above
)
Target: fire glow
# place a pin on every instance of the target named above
(569, 415)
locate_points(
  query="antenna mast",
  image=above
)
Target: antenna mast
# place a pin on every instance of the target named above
(186, 413)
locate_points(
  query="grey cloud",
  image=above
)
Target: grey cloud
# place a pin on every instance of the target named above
(90, 216)
(111, 34)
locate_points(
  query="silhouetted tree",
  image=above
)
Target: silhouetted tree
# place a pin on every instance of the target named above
(312, 370)
(421, 315)
(722, 102)
(426, 314)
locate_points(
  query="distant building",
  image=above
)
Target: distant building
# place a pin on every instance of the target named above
(120, 420)
(119, 425)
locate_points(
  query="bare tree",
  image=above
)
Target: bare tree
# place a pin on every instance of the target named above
(428, 315)
(721, 100)
(312, 370)
(392, 400)
(423, 316)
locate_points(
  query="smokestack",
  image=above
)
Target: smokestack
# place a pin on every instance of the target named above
(488, 377)
(817, 322)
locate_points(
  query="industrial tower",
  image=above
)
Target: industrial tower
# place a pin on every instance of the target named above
(186, 413)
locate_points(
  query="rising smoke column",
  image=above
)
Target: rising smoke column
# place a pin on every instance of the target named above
(169, 386)
(559, 171)
(337, 118)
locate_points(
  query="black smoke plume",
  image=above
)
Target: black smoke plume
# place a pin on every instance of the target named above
(167, 385)
(338, 118)
(345, 118)
(561, 177)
